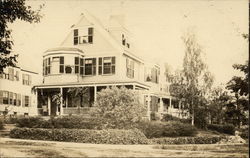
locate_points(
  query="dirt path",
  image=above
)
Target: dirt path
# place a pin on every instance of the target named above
(33, 148)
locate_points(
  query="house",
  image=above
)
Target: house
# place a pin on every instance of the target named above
(96, 57)
(16, 94)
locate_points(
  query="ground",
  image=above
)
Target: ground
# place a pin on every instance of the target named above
(33, 148)
(36, 148)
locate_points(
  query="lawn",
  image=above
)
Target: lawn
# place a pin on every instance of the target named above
(33, 148)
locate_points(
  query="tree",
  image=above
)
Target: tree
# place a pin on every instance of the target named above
(218, 103)
(10, 11)
(239, 87)
(119, 107)
(193, 83)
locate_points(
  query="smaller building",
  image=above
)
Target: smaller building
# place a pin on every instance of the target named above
(16, 93)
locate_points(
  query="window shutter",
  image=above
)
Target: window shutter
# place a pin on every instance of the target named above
(30, 101)
(1, 97)
(94, 66)
(100, 66)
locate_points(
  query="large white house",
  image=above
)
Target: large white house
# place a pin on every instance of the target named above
(96, 57)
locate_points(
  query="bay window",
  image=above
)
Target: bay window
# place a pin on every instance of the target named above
(61, 63)
(77, 65)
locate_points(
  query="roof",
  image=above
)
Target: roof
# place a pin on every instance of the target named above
(102, 30)
(64, 49)
(70, 84)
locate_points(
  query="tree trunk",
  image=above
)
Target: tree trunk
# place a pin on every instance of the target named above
(192, 117)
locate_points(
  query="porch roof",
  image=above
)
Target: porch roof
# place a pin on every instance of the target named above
(89, 84)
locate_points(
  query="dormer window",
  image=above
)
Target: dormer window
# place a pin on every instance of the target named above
(83, 36)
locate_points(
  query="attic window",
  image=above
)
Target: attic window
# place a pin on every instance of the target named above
(123, 40)
(83, 36)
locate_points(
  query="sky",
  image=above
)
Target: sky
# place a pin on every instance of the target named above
(156, 25)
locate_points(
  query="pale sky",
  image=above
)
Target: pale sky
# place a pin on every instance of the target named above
(156, 25)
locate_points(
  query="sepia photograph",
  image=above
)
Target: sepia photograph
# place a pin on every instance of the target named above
(124, 78)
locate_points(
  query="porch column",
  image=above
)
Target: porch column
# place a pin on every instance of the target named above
(170, 105)
(95, 91)
(148, 106)
(61, 101)
(161, 109)
(49, 105)
(133, 87)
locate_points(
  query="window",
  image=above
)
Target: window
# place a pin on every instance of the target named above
(5, 97)
(26, 101)
(77, 65)
(11, 74)
(130, 68)
(90, 66)
(123, 40)
(61, 69)
(152, 75)
(84, 37)
(26, 79)
(75, 36)
(106, 65)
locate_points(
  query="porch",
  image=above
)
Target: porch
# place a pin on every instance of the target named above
(63, 100)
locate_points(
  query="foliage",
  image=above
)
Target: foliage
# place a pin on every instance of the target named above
(60, 122)
(187, 140)
(119, 107)
(30, 122)
(218, 102)
(1, 124)
(227, 128)
(194, 81)
(244, 133)
(155, 129)
(111, 136)
(10, 11)
(238, 108)
(168, 117)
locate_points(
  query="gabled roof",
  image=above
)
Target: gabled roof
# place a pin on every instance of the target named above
(105, 33)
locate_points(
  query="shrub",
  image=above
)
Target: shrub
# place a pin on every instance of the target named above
(30, 122)
(227, 128)
(1, 124)
(168, 117)
(119, 107)
(187, 140)
(111, 136)
(244, 133)
(155, 129)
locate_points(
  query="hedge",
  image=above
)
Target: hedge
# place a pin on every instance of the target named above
(227, 128)
(111, 136)
(187, 140)
(60, 122)
(155, 129)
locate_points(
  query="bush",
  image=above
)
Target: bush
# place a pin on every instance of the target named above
(168, 117)
(187, 140)
(110, 136)
(1, 124)
(154, 129)
(227, 128)
(244, 133)
(119, 107)
(30, 122)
